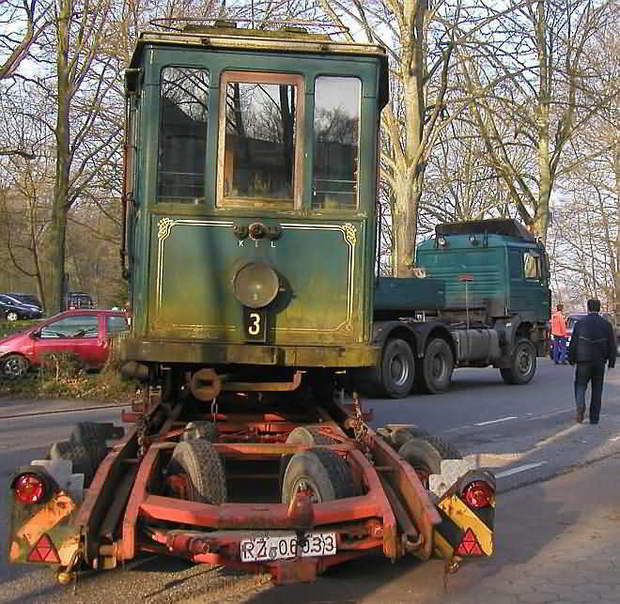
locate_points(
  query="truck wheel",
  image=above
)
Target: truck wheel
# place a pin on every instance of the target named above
(523, 363)
(199, 461)
(424, 455)
(436, 367)
(14, 366)
(397, 370)
(320, 472)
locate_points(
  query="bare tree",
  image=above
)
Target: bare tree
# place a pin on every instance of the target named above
(21, 23)
(527, 84)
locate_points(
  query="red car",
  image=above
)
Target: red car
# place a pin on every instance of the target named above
(85, 333)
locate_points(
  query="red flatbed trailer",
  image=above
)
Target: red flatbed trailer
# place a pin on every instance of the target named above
(147, 497)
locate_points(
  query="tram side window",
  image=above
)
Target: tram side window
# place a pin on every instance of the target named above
(259, 145)
(336, 142)
(182, 134)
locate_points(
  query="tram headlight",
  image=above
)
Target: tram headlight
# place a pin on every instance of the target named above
(256, 284)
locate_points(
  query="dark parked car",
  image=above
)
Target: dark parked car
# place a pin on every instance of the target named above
(12, 309)
(26, 299)
(85, 333)
(78, 300)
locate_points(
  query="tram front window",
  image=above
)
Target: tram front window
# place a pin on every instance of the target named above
(182, 134)
(259, 140)
(336, 142)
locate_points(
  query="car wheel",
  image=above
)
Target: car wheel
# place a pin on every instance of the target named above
(12, 316)
(14, 366)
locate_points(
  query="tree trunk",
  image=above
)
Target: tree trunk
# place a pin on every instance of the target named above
(63, 162)
(404, 222)
(616, 293)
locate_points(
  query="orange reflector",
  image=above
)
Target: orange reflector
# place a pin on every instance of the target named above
(469, 545)
(44, 551)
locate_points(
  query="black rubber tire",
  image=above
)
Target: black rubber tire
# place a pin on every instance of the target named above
(84, 459)
(329, 475)
(15, 366)
(397, 369)
(199, 460)
(201, 429)
(427, 453)
(394, 377)
(308, 435)
(523, 363)
(303, 435)
(435, 368)
(396, 436)
(87, 432)
(11, 315)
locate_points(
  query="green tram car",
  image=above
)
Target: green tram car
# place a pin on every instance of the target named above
(250, 191)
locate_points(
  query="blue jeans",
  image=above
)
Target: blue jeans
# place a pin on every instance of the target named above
(594, 373)
(559, 350)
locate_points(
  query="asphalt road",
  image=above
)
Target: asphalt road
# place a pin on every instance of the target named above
(526, 433)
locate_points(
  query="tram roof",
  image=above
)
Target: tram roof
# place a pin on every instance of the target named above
(232, 38)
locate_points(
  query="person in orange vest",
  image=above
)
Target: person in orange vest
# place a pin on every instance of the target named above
(558, 331)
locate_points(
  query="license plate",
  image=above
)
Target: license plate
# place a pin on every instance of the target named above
(287, 546)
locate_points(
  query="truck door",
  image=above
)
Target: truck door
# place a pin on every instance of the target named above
(528, 287)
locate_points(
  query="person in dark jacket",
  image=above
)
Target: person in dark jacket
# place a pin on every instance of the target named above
(592, 344)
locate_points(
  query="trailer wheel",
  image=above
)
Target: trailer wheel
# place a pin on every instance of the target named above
(303, 435)
(424, 455)
(522, 365)
(199, 461)
(308, 435)
(84, 460)
(85, 433)
(397, 435)
(322, 473)
(436, 367)
(200, 429)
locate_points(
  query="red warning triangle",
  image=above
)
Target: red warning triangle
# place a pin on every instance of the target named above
(469, 545)
(44, 551)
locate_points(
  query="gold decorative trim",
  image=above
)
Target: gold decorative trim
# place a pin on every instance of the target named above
(164, 227)
(350, 233)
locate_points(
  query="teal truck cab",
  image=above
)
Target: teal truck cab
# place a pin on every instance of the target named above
(478, 297)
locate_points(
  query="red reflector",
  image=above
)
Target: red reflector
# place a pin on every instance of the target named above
(478, 494)
(469, 545)
(44, 551)
(29, 488)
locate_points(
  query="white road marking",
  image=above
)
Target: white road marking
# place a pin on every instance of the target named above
(614, 438)
(496, 421)
(527, 466)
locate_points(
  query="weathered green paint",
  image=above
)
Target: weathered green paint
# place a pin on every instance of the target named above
(184, 256)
